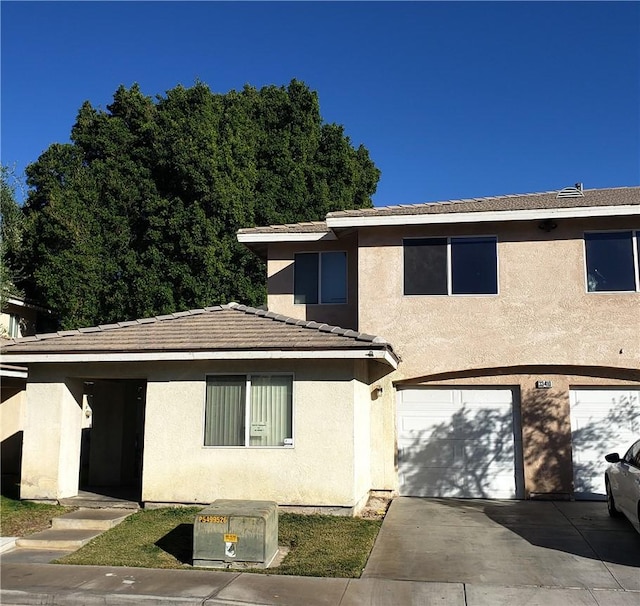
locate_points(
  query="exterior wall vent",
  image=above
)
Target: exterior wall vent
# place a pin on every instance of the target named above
(571, 192)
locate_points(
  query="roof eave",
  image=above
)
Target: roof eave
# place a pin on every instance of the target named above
(484, 216)
(258, 242)
(260, 237)
(367, 352)
(14, 372)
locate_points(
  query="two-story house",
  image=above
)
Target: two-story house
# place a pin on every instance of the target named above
(487, 348)
(517, 322)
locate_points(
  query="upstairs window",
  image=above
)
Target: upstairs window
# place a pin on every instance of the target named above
(249, 410)
(612, 261)
(451, 266)
(320, 278)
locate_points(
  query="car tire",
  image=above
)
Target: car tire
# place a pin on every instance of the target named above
(611, 504)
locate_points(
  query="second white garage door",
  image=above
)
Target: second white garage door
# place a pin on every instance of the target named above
(602, 421)
(459, 443)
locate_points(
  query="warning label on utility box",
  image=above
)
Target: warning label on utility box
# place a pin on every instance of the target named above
(230, 538)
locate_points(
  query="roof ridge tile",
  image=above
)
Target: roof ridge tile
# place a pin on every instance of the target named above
(365, 337)
(46, 335)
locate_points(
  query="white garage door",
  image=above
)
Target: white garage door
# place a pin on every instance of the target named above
(602, 421)
(459, 443)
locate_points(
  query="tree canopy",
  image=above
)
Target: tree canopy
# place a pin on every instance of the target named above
(138, 215)
(11, 225)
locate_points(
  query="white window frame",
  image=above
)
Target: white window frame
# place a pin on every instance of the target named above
(247, 409)
(449, 266)
(320, 254)
(635, 236)
(14, 326)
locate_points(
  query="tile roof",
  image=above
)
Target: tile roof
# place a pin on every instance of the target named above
(221, 328)
(616, 196)
(308, 227)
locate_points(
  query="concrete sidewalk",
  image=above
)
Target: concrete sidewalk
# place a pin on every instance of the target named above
(53, 584)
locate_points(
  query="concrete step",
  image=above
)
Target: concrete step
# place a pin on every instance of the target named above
(7, 543)
(99, 503)
(23, 555)
(58, 539)
(91, 519)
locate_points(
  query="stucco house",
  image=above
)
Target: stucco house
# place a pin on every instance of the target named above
(507, 364)
(18, 318)
(517, 322)
(222, 402)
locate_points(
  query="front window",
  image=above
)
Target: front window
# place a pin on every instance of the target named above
(320, 278)
(249, 410)
(451, 266)
(612, 261)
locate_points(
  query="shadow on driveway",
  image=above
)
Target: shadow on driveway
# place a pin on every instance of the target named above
(553, 544)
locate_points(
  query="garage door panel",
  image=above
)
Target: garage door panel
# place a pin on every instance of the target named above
(434, 396)
(486, 396)
(457, 443)
(602, 421)
(451, 476)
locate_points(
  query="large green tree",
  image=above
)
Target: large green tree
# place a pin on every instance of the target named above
(138, 214)
(11, 227)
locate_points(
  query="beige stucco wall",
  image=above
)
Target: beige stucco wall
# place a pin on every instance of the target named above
(383, 434)
(51, 443)
(280, 282)
(541, 316)
(11, 409)
(362, 432)
(318, 470)
(542, 313)
(11, 430)
(331, 422)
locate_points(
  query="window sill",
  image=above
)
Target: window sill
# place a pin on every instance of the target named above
(249, 447)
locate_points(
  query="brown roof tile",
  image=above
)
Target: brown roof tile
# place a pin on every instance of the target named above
(288, 228)
(221, 328)
(617, 196)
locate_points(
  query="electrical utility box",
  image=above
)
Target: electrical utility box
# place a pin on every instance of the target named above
(228, 532)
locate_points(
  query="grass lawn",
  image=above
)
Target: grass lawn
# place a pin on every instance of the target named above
(163, 538)
(20, 518)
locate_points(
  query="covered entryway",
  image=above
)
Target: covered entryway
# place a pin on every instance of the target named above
(459, 443)
(602, 421)
(112, 438)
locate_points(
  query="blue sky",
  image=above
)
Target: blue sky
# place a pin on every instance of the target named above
(452, 99)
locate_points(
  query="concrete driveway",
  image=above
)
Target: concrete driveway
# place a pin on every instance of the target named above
(507, 543)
